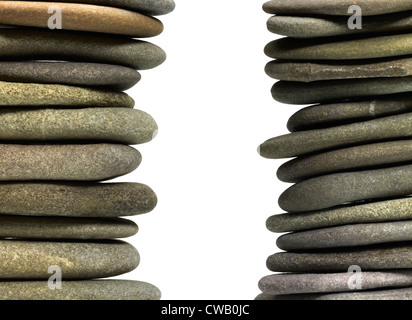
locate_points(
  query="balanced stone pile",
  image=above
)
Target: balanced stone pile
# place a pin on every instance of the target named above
(65, 126)
(349, 214)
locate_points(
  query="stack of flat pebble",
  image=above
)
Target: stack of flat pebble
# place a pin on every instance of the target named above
(349, 208)
(66, 126)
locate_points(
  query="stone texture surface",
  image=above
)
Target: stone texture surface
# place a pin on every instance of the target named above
(121, 125)
(347, 236)
(105, 76)
(77, 260)
(80, 17)
(303, 142)
(335, 90)
(308, 71)
(326, 115)
(335, 7)
(397, 256)
(76, 199)
(79, 290)
(32, 44)
(381, 211)
(15, 94)
(354, 158)
(21, 227)
(335, 189)
(89, 162)
(284, 284)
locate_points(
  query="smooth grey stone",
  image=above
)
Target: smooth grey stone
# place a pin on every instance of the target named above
(308, 71)
(77, 260)
(336, 7)
(76, 199)
(381, 211)
(347, 236)
(358, 157)
(328, 115)
(285, 284)
(292, 92)
(20, 227)
(79, 290)
(103, 76)
(304, 142)
(335, 189)
(37, 44)
(398, 256)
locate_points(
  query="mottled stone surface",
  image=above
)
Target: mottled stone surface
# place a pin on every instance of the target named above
(283, 284)
(77, 260)
(318, 71)
(397, 256)
(363, 48)
(303, 142)
(89, 162)
(32, 44)
(335, 7)
(80, 17)
(76, 199)
(358, 157)
(21, 227)
(79, 290)
(15, 94)
(121, 125)
(382, 211)
(326, 115)
(347, 236)
(335, 189)
(103, 76)
(335, 90)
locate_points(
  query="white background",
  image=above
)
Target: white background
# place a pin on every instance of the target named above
(211, 99)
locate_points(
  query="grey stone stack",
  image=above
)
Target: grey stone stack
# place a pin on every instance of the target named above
(66, 127)
(348, 214)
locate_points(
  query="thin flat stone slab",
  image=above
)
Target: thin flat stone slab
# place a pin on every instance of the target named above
(285, 284)
(336, 7)
(105, 76)
(323, 49)
(354, 158)
(88, 162)
(335, 189)
(76, 199)
(79, 290)
(77, 260)
(328, 26)
(14, 94)
(304, 142)
(292, 92)
(397, 256)
(328, 115)
(80, 17)
(307, 71)
(38, 44)
(381, 211)
(128, 126)
(347, 236)
(21, 227)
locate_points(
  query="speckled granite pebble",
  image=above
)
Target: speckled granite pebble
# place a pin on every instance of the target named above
(89, 162)
(121, 125)
(104, 76)
(303, 142)
(21, 227)
(32, 44)
(77, 260)
(76, 199)
(79, 290)
(335, 189)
